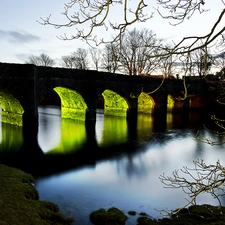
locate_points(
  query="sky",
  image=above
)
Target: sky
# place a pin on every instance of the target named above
(22, 36)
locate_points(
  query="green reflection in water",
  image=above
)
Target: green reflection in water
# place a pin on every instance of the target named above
(144, 126)
(73, 136)
(73, 105)
(169, 120)
(114, 131)
(146, 103)
(11, 138)
(12, 111)
(115, 105)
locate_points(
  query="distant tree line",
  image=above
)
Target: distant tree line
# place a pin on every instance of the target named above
(139, 52)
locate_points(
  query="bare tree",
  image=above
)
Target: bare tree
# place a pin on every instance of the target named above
(201, 179)
(182, 10)
(42, 60)
(95, 57)
(110, 58)
(219, 62)
(167, 66)
(137, 47)
(81, 60)
(78, 59)
(68, 61)
(201, 61)
(97, 14)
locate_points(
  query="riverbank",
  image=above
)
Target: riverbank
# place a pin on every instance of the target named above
(20, 204)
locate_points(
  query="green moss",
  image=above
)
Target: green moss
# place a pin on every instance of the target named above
(146, 103)
(112, 216)
(19, 202)
(170, 103)
(200, 214)
(12, 111)
(73, 105)
(146, 221)
(114, 104)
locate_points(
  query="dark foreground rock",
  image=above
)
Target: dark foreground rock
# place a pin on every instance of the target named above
(112, 216)
(194, 215)
(19, 204)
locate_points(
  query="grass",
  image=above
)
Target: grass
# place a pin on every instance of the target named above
(19, 202)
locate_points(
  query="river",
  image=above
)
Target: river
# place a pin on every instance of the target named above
(116, 169)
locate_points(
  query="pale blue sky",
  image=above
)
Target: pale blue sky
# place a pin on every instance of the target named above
(21, 35)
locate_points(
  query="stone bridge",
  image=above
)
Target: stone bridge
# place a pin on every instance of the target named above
(23, 87)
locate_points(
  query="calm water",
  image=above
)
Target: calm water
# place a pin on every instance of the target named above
(118, 168)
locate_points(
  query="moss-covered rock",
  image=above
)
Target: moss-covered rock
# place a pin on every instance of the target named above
(146, 221)
(204, 214)
(19, 202)
(132, 213)
(112, 216)
(196, 214)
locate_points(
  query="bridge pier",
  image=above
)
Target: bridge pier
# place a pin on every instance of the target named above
(132, 116)
(30, 125)
(90, 115)
(30, 151)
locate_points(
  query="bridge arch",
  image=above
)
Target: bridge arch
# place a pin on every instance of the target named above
(11, 109)
(114, 104)
(73, 105)
(170, 103)
(146, 103)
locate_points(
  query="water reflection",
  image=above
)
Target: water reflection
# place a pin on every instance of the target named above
(114, 131)
(63, 136)
(49, 131)
(144, 126)
(130, 180)
(11, 138)
(73, 136)
(124, 179)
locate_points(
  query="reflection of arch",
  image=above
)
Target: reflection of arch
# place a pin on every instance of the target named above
(146, 103)
(12, 111)
(114, 132)
(73, 105)
(73, 137)
(115, 104)
(170, 103)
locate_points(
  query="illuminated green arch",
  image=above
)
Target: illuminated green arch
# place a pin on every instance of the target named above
(146, 103)
(73, 105)
(114, 104)
(170, 103)
(12, 111)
